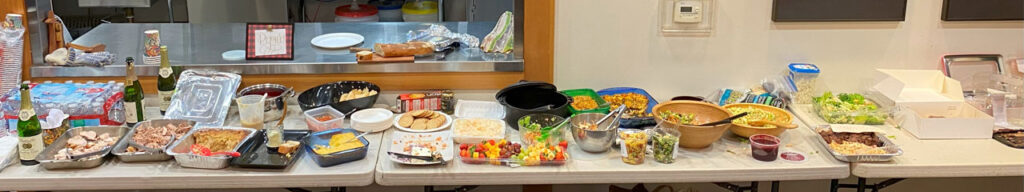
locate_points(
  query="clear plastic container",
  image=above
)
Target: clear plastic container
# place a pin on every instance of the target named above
(665, 144)
(764, 147)
(479, 109)
(389, 11)
(549, 131)
(803, 77)
(324, 118)
(250, 111)
(838, 112)
(633, 146)
(420, 11)
(461, 132)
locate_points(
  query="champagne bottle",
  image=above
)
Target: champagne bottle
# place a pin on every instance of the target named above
(30, 137)
(165, 82)
(133, 96)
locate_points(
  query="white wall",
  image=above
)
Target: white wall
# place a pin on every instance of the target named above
(605, 43)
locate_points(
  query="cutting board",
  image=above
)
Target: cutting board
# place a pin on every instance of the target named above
(381, 59)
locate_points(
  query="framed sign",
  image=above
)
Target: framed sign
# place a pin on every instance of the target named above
(838, 10)
(270, 41)
(982, 10)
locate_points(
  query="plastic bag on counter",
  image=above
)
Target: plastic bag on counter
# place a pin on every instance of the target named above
(502, 38)
(88, 104)
(8, 153)
(441, 37)
(76, 57)
(756, 95)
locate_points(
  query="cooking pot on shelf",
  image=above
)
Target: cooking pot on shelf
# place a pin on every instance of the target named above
(525, 97)
(273, 106)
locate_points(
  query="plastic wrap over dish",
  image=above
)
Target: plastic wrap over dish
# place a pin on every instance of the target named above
(441, 37)
(203, 97)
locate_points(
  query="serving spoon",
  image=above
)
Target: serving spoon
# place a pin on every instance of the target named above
(726, 120)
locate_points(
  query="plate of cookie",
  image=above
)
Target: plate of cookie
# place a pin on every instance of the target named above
(423, 121)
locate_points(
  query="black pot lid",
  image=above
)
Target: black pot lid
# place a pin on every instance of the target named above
(523, 84)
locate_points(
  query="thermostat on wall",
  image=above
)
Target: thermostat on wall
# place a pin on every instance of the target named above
(687, 12)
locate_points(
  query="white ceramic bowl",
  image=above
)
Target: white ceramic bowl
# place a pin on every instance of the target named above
(447, 123)
(372, 120)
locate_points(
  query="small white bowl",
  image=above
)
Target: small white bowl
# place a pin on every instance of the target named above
(372, 120)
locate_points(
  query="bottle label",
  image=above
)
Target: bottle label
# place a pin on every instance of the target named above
(29, 147)
(165, 99)
(24, 115)
(130, 114)
(166, 72)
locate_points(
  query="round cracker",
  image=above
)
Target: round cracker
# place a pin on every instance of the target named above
(435, 123)
(419, 124)
(406, 120)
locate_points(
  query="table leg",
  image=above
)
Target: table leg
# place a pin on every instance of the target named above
(861, 184)
(834, 185)
(737, 188)
(775, 186)
(338, 189)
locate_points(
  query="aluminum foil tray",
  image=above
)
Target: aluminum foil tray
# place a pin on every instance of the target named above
(204, 97)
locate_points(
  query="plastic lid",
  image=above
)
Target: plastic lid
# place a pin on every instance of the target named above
(363, 11)
(803, 68)
(479, 109)
(233, 55)
(421, 8)
(793, 156)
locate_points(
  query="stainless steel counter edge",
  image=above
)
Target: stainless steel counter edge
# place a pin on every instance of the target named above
(288, 68)
(200, 46)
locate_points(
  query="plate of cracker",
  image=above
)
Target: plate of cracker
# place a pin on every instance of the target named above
(422, 121)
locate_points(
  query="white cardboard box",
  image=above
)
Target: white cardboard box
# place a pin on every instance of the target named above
(926, 91)
(969, 123)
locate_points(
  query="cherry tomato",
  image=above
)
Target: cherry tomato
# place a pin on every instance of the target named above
(491, 142)
(564, 144)
(463, 146)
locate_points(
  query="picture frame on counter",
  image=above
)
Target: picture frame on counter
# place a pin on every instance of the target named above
(269, 41)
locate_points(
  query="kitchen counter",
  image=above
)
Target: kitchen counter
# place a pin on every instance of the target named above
(201, 45)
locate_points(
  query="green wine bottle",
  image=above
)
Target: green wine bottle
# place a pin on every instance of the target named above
(30, 137)
(165, 82)
(133, 96)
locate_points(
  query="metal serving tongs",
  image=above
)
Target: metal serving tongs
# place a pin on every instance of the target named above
(617, 113)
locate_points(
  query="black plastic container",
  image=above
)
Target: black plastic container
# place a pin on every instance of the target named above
(525, 97)
(328, 94)
(255, 154)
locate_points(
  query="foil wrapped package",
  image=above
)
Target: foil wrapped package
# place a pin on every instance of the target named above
(441, 37)
(203, 96)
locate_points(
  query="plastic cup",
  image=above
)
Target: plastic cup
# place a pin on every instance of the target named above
(633, 146)
(250, 110)
(764, 147)
(665, 144)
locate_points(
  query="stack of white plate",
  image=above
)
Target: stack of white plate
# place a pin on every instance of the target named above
(372, 120)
